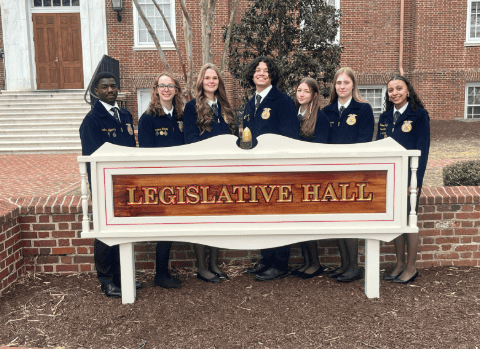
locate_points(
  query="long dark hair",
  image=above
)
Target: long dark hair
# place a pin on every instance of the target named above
(155, 106)
(204, 111)
(412, 99)
(309, 120)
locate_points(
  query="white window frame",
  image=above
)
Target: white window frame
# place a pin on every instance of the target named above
(470, 84)
(166, 45)
(142, 102)
(469, 41)
(55, 9)
(375, 87)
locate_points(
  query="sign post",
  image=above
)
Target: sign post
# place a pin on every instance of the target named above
(281, 192)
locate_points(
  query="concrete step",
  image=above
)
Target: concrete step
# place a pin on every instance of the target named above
(40, 138)
(28, 143)
(43, 114)
(40, 120)
(34, 132)
(46, 150)
(17, 103)
(40, 126)
(39, 111)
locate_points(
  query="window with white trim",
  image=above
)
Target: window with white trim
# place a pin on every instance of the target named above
(473, 22)
(55, 3)
(142, 36)
(143, 100)
(336, 4)
(375, 95)
(472, 101)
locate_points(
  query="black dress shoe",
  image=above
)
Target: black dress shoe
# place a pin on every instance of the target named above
(317, 272)
(272, 274)
(163, 280)
(391, 277)
(214, 279)
(399, 281)
(349, 277)
(111, 290)
(297, 272)
(335, 274)
(221, 276)
(258, 268)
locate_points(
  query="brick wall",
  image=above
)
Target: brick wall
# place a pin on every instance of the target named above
(43, 235)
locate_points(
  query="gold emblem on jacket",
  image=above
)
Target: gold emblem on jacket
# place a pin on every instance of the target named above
(407, 126)
(130, 129)
(266, 113)
(351, 120)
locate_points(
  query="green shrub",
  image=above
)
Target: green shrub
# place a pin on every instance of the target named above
(465, 173)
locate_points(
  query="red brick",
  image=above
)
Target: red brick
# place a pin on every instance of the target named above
(43, 226)
(45, 243)
(465, 263)
(466, 248)
(63, 234)
(465, 231)
(48, 268)
(63, 218)
(82, 242)
(66, 268)
(468, 215)
(63, 250)
(44, 219)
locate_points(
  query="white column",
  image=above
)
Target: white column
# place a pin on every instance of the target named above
(94, 36)
(372, 268)
(127, 269)
(16, 44)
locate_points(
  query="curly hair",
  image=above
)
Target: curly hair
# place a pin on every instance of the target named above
(309, 120)
(273, 71)
(204, 111)
(412, 98)
(355, 93)
(155, 106)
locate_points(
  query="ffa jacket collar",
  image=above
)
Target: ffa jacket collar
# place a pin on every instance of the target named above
(103, 113)
(408, 112)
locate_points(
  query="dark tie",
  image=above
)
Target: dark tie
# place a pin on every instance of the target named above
(396, 115)
(342, 108)
(168, 115)
(258, 98)
(215, 109)
(115, 114)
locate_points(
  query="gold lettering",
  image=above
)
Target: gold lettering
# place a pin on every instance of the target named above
(284, 193)
(171, 198)
(149, 196)
(253, 193)
(241, 190)
(131, 197)
(205, 196)
(266, 196)
(307, 192)
(224, 195)
(181, 195)
(192, 194)
(344, 192)
(361, 192)
(329, 192)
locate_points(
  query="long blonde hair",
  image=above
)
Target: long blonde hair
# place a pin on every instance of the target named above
(309, 120)
(204, 111)
(355, 94)
(155, 106)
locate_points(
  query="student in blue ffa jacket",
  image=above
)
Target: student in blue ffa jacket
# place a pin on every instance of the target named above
(314, 127)
(162, 126)
(269, 111)
(106, 122)
(351, 119)
(406, 121)
(209, 115)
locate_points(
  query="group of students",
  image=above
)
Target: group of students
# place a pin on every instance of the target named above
(347, 119)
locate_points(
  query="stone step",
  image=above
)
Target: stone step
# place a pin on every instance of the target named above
(52, 108)
(40, 138)
(47, 150)
(43, 114)
(40, 121)
(28, 143)
(40, 126)
(35, 131)
(42, 103)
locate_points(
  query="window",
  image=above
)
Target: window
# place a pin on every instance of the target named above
(143, 99)
(55, 3)
(472, 98)
(473, 22)
(336, 4)
(142, 36)
(375, 95)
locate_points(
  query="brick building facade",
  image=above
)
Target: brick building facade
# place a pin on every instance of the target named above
(441, 53)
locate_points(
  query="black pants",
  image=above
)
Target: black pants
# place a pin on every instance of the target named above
(276, 257)
(107, 263)
(162, 253)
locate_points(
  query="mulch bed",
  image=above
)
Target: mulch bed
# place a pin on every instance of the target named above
(439, 310)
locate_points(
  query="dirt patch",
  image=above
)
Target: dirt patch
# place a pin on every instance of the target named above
(439, 310)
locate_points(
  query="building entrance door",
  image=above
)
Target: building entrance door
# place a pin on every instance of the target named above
(58, 51)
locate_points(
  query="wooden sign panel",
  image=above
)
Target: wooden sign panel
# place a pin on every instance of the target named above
(249, 193)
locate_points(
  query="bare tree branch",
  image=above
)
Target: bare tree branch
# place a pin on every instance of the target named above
(153, 35)
(173, 40)
(187, 29)
(228, 36)
(207, 11)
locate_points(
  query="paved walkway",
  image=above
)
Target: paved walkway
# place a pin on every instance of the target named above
(58, 174)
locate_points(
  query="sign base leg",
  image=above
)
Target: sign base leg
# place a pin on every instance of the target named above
(127, 267)
(372, 268)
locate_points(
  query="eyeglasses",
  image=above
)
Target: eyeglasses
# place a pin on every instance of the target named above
(162, 86)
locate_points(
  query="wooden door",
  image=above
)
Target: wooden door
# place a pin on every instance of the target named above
(58, 51)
